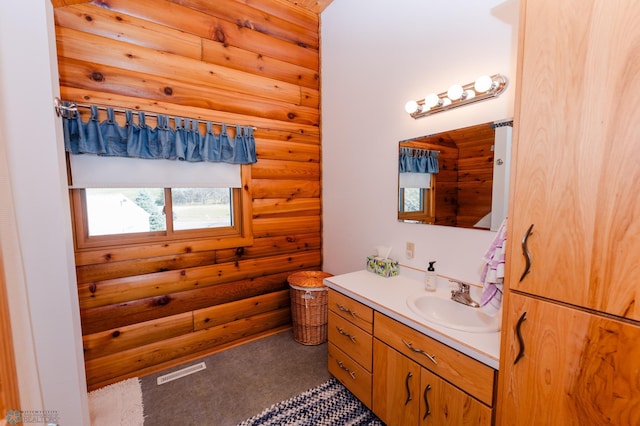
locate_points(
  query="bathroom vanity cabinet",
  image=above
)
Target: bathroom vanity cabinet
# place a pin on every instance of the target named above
(419, 381)
(570, 349)
(403, 375)
(350, 328)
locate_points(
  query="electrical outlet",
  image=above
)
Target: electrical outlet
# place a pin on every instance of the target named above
(409, 250)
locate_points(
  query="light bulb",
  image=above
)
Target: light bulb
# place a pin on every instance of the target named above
(470, 94)
(483, 84)
(446, 102)
(411, 107)
(431, 100)
(455, 92)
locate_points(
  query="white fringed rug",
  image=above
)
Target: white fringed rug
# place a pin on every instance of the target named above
(119, 404)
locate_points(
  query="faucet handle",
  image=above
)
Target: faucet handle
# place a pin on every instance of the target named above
(462, 286)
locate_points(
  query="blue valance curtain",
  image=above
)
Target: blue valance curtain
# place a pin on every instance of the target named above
(182, 141)
(415, 160)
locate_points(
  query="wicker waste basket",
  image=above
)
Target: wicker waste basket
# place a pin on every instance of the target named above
(309, 307)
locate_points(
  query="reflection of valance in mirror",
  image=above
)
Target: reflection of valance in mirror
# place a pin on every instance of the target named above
(415, 160)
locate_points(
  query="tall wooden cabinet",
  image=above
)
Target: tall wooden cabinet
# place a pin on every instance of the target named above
(571, 344)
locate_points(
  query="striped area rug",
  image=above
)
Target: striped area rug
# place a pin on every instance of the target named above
(328, 404)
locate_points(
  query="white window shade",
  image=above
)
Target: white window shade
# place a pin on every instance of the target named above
(415, 180)
(92, 171)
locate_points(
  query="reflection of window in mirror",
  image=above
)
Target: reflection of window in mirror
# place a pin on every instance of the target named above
(416, 200)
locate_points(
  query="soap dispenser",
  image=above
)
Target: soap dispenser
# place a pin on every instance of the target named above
(430, 278)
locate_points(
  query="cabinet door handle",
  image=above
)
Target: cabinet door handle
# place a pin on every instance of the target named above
(406, 383)
(344, 333)
(526, 253)
(347, 310)
(427, 410)
(420, 351)
(520, 339)
(351, 373)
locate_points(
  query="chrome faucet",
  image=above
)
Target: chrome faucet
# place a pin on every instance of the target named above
(461, 295)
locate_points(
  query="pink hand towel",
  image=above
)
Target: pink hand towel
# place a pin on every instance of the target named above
(493, 273)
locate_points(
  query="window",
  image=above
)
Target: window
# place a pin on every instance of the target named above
(417, 204)
(131, 210)
(120, 216)
(413, 200)
(201, 208)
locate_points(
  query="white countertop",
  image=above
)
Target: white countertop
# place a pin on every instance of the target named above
(389, 296)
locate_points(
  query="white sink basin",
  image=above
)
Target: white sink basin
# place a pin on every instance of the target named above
(450, 314)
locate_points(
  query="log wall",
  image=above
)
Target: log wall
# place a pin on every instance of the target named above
(475, 173)
(148, 307)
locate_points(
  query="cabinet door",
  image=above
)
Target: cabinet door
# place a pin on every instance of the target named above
(396, 386)
(444, 404)
(576, 368)
(577, 144)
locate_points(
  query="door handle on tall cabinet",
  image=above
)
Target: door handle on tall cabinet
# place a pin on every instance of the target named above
(525, 252)
(520, 339)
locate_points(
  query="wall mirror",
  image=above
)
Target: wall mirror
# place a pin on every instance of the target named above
(456, 178)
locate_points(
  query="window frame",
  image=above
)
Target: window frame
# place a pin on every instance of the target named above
(239, 234)
(427, 213)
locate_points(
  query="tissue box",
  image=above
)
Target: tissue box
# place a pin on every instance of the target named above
(382, 267)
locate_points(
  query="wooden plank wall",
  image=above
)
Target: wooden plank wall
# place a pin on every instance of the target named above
(145, 308)
(475, 173)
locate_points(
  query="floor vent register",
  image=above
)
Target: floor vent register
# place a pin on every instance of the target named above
(181, 373)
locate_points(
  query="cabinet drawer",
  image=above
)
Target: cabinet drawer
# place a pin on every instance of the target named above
(354, 311)
(352, 340)
(351, 374)
(465, 372)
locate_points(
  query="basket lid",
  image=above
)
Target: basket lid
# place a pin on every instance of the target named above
(308, 278)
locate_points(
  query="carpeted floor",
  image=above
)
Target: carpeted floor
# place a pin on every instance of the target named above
(237, 383)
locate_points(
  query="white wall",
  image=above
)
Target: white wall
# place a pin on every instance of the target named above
(376, 55)
(36, 233)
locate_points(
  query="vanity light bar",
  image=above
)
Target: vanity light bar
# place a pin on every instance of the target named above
(483, 88)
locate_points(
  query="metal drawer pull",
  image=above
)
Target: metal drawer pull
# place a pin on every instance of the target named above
(525, 253)
(427, 410)
(406, 382)
(351, 373)
(520, 339)
(344, 333)
(345, 309)
(420, 351)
